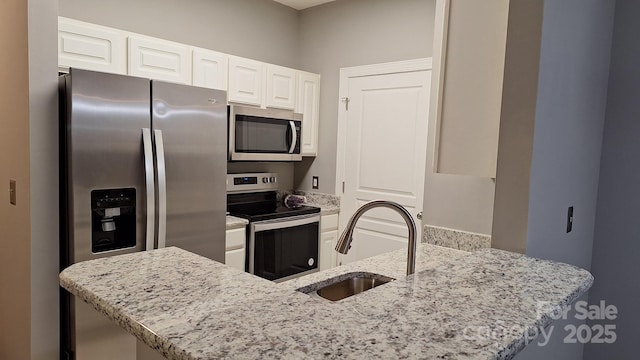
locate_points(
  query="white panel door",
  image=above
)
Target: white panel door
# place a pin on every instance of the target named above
(209, 69)
(308, 104)
(246, 80)
(91, 47)
(159, 59)
(385, 157)
(281, 87)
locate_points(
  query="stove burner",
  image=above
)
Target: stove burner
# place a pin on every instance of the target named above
(263, 206)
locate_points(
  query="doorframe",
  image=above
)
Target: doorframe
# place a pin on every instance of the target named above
(347, 73)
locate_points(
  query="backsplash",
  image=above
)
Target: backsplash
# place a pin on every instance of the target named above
(320, 198)
(456, 239)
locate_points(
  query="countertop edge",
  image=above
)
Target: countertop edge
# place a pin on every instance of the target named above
(172, 351)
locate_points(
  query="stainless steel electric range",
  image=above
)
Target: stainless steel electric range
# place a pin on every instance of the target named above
(282, 242)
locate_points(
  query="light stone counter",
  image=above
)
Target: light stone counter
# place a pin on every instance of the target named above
(189, 307)
(236, 222)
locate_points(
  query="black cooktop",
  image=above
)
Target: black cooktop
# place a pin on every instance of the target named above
(263, 206)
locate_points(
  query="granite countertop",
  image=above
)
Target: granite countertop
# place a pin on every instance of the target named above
(325, 209)
(234, 222)
(189, 307)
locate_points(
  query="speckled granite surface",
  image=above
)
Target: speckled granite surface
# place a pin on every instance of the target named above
(328, 204)
(236, 222)
(189, 307)
(456, 239)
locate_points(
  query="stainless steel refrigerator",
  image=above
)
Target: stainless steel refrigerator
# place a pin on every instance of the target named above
(143, 166)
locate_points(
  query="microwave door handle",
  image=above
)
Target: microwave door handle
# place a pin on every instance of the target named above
(149, 185)
(162, 189)
(294, 137)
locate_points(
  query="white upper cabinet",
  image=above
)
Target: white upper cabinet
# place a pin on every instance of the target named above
(308, 104)
(281, 87)
(159, 59)
(210, 69)
(92, 47)
(246, 81)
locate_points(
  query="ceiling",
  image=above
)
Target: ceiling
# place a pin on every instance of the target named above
(302, 4)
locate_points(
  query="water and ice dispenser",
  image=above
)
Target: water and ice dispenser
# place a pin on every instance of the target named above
(113, 219)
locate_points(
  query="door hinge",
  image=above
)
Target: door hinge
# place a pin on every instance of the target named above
(345, 100)
(343, 187)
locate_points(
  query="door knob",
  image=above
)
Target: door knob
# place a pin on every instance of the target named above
(419, 215)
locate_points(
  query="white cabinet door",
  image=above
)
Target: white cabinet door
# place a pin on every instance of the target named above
(235, 258)
(328, 254)
(159, 59)
(209, 69)
(92, 47)
(246, 80)
(328, 241)
(235, 248)
(308, 104)
(281, 87)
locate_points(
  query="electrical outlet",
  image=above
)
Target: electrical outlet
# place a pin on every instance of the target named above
(314, 182)
(569, 219)
(12, 192)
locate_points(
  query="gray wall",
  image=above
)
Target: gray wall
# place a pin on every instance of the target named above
(362, 32)
(351, 33)
(43, 153)
(616, 249)
(256, 29)
(572, 93)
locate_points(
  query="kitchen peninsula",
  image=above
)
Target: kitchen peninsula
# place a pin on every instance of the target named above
(457, 305)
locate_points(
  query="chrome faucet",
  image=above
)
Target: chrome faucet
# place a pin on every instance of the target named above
(344, 243)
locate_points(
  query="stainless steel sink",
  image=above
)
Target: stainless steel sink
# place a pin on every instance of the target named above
(347, 285)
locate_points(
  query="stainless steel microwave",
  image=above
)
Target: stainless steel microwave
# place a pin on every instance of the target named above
(264, 134)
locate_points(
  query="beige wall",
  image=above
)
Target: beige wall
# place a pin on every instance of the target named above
(517, 121)
(15, 297)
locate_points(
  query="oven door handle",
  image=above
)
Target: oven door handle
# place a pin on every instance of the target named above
(284, 223)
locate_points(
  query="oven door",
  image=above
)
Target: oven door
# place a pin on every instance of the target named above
(285, 248)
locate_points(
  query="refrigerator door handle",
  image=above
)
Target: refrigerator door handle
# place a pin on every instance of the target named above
(150, 189)
(162, 189)
(294, 137)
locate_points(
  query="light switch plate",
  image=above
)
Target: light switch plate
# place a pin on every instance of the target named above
(314, 182)
(12, 191)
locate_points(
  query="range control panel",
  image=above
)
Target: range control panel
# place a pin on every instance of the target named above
(252, 182)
